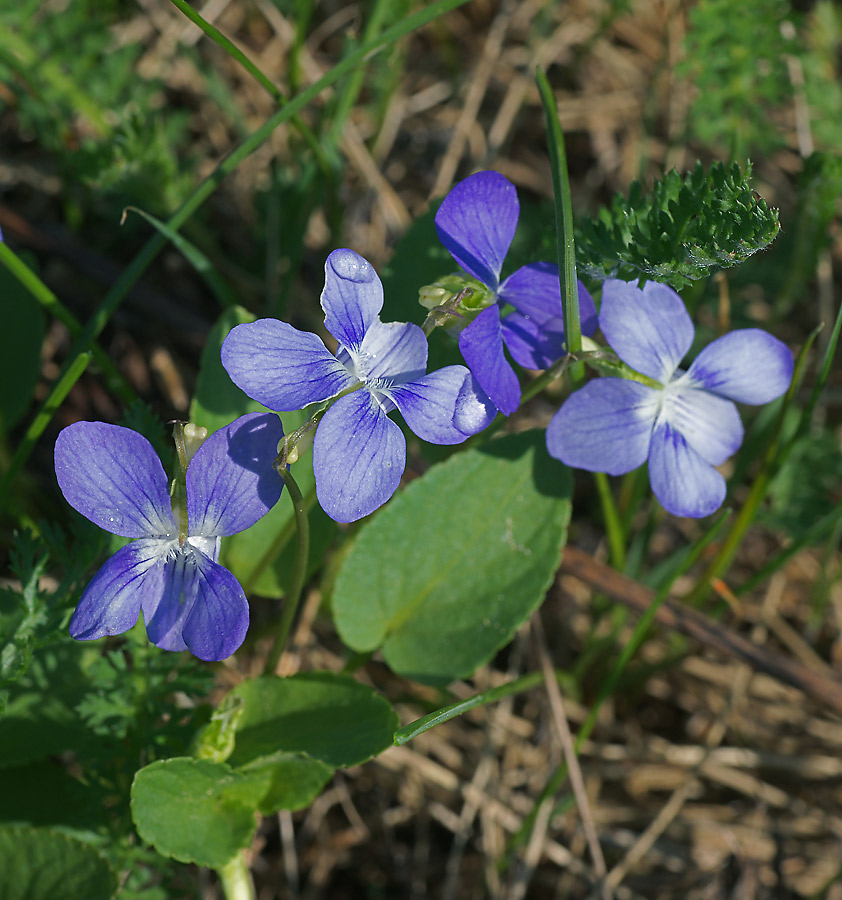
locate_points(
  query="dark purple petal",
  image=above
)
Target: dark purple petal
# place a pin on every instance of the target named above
(358, 457)
(219, 619)
(352, 297)
(114, 478)
(394, 351)
(711, 425)
(433, 404)
(476, 223)
(604, 427)
(481, 344)
(230, 481)
(166, 611)
(683, 482)
(534, 290)
(749, 366)
(649, 329)
(281, 367)
(533, 344)
(111, 603)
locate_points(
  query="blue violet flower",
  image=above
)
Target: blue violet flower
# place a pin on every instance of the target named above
(686, 425)
(359, 454)
(112, 476)
(476, 222)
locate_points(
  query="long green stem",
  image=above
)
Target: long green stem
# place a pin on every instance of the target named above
(41, 420)
(613, 526)
(54, 306)
(565, 243)
(235, 879)
(157, 242)
(302, 554)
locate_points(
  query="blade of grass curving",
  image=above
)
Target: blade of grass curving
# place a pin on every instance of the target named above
(347, 96)
(446, 713)
(217, 284)
(565, 243)
(264, 81)
(155, 244)
(114, 377)
(771, 458)
(607, 688)
(56, 397)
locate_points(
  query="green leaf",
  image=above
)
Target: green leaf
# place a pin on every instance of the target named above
(461, 558)
(40, 864)
(686, 228)
(36, 725)
(329, 717)
(195, 810)
(20, 349)
(295, 780)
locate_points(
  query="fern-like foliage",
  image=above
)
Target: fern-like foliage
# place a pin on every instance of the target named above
(686, 228)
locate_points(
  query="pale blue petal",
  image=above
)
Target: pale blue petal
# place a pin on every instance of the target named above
(433, 404)
(219, 619)
(649, 329)
(683, 482)
(749, 366)
(474, 408)
(111, 603)
(352, 297)
(358, 457)
(711, 425)
(394, 351)
(604, 427)
(476, 223)
(114, 478)
(281, 367)
(481, 344)
(231, 482)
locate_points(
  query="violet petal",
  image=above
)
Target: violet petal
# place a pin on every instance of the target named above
(358, 457)
(281, 367)
(710, 424)
(111, 603)
(604, 427)
(748, 365)
(431, 405)
(393, 351)
(113, 477)
(230, 481)
(352, 297)
(683, 482)
(649, 329)
(219, 619)
(476, 223)
(481, 344)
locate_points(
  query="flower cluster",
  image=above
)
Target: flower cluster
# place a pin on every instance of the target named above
(683, 422)
(170, 571)
(359, 453)
(476, 222)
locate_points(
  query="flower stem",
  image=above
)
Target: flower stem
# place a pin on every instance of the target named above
(302, 554)
(235, 879)
(613, 525)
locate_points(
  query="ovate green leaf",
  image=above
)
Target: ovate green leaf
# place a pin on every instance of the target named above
(329, 717)
(442, 576)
